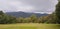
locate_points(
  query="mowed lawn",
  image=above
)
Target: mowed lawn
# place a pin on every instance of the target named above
(30, 26)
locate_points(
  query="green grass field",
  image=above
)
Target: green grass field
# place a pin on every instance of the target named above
(29, 26)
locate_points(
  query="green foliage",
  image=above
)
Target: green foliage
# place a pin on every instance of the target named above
(20, 20)
(58, 12)
(33, 18)
(12, 19)
(5, 19)
(51, 19)
(1, 13)
(28, 20)
(43, 19)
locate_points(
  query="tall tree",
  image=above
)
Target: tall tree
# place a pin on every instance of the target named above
(1, 13)
(33, 18)
(5, 19)
(58, 11)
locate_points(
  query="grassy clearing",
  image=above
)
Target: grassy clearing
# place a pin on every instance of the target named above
(30, 26)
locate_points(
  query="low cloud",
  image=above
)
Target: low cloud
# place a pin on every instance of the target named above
(28, 5)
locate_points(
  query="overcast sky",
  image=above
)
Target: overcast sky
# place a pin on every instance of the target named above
(28, 5)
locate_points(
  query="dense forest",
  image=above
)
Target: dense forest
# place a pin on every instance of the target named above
(6, 19)
(53, 18)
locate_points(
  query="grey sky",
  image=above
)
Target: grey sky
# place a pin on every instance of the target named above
(28, 5)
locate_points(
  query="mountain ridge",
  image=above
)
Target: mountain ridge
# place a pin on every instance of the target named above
(25, 14)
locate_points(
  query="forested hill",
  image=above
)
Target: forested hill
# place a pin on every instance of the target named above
(25, 14)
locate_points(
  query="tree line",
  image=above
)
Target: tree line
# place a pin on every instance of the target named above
(6, 19)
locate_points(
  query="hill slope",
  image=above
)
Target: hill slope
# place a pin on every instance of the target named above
(24, 14)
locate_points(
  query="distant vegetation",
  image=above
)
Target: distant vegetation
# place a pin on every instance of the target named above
(25, 14)
(6, 19)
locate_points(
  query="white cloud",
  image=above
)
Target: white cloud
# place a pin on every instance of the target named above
(15, 3)
(43, 12)
(25, 8)
(28, 5)
(19, 6)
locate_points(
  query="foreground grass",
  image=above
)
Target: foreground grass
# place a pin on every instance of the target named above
(30, 26)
